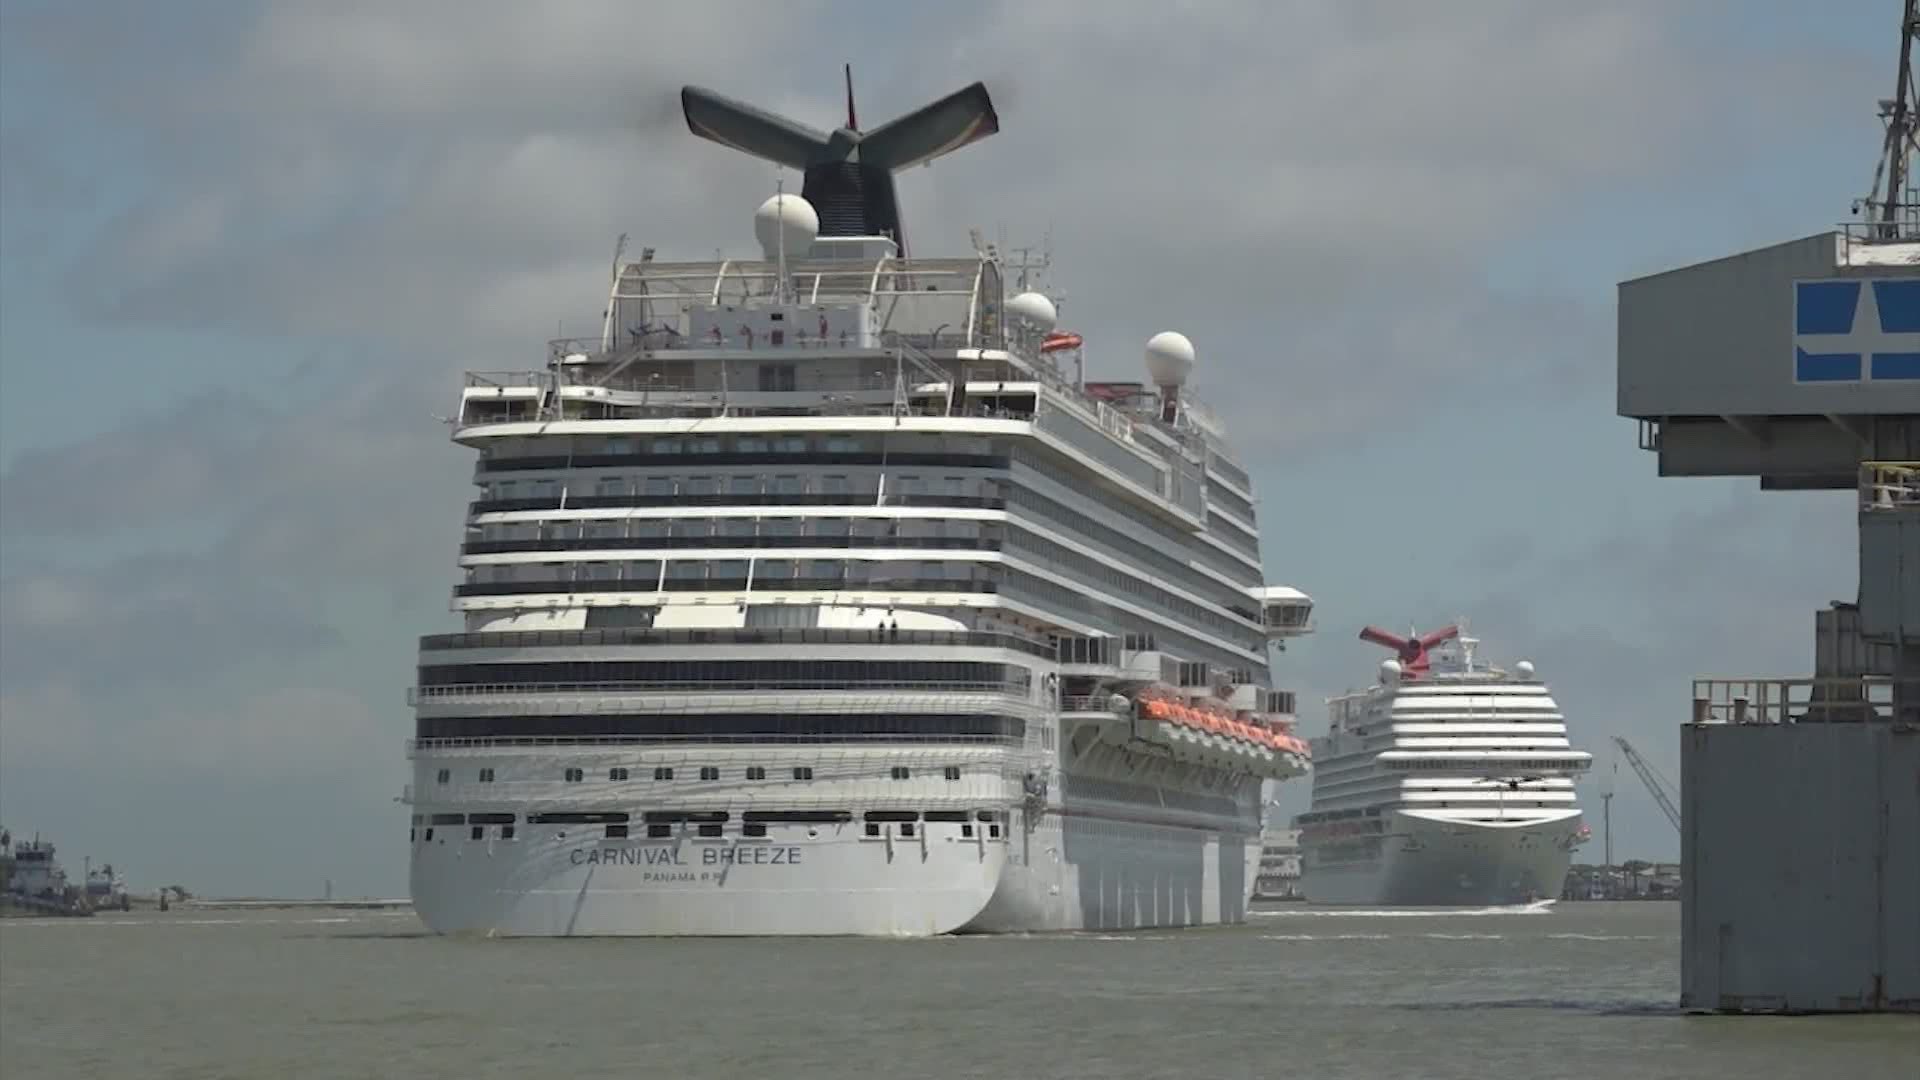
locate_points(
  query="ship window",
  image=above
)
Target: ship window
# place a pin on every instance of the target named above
(709, 772)
(616, 832)
(873, 829)
(412, 835)
(756, 772)
(506, 832)
(951, 772)
(966, 830)
(443, 776)
(753, 828)
(663, 774)
(659, 830)
(617, 774)
(429, 836)
(901, 772)
(906, 829)
(490, 819)
(479, 831)
(710, 828)
(945, 815)
(666, 446)
(803, 772)
(993, 832)
(743, 485)
(776, 378)
(574, 776)
(486, 776)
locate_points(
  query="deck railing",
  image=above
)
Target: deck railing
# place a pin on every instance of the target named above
(1864, 699)
(1889, 486)
(461, 691)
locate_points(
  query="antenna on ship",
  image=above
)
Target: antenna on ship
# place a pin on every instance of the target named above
(1900, 113)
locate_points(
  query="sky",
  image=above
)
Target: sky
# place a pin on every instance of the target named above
(247, 249)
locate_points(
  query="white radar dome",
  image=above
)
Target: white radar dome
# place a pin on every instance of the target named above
(1169, 358)
(1389, 671)
(1524, 669)
(789, 219)
(1034, 309)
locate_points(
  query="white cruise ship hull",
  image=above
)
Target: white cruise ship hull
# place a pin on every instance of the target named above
(1428, 862)
(1070, 873)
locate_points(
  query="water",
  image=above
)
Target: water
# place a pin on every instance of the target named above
(1582, 990)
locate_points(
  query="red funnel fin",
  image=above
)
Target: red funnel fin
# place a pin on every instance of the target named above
(1412, 652)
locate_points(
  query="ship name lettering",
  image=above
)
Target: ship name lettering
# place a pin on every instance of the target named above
(753, 855)
(628, 856)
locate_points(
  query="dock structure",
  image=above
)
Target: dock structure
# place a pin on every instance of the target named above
(1799, 364)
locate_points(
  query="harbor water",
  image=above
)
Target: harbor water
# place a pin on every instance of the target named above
(1573, 990)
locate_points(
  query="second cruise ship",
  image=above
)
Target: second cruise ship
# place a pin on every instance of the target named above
(821, 594)
(1448, 783)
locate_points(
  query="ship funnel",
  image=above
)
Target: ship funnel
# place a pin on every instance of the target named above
(848, 174)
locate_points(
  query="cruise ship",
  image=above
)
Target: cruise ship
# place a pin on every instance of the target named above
(1448, 783)
(821, 594)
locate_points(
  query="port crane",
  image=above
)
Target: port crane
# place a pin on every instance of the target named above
(1656, 785)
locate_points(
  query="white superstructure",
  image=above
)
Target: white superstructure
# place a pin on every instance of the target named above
(816, 597)
(1450, 782)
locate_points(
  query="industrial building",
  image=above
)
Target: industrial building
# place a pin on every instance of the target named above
(1799, 364)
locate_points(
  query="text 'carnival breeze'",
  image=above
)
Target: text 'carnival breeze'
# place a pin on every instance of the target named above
(816, 596)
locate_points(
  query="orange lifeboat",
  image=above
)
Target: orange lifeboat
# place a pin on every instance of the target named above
(1060, 339)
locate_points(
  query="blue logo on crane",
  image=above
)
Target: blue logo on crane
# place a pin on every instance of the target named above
(1856, 330)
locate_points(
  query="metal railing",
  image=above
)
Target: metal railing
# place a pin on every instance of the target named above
(765, 498)
(759, 584)
(1861, 240)
(1889, 486)
(859, 740)
(1864, 699)
(756, 543)
(418, 694)
(522, 639)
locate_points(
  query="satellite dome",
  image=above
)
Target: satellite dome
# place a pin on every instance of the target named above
(1034, 309)
(1524, 669)
(1169, 358)
(1389, 671)
(789, 218)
